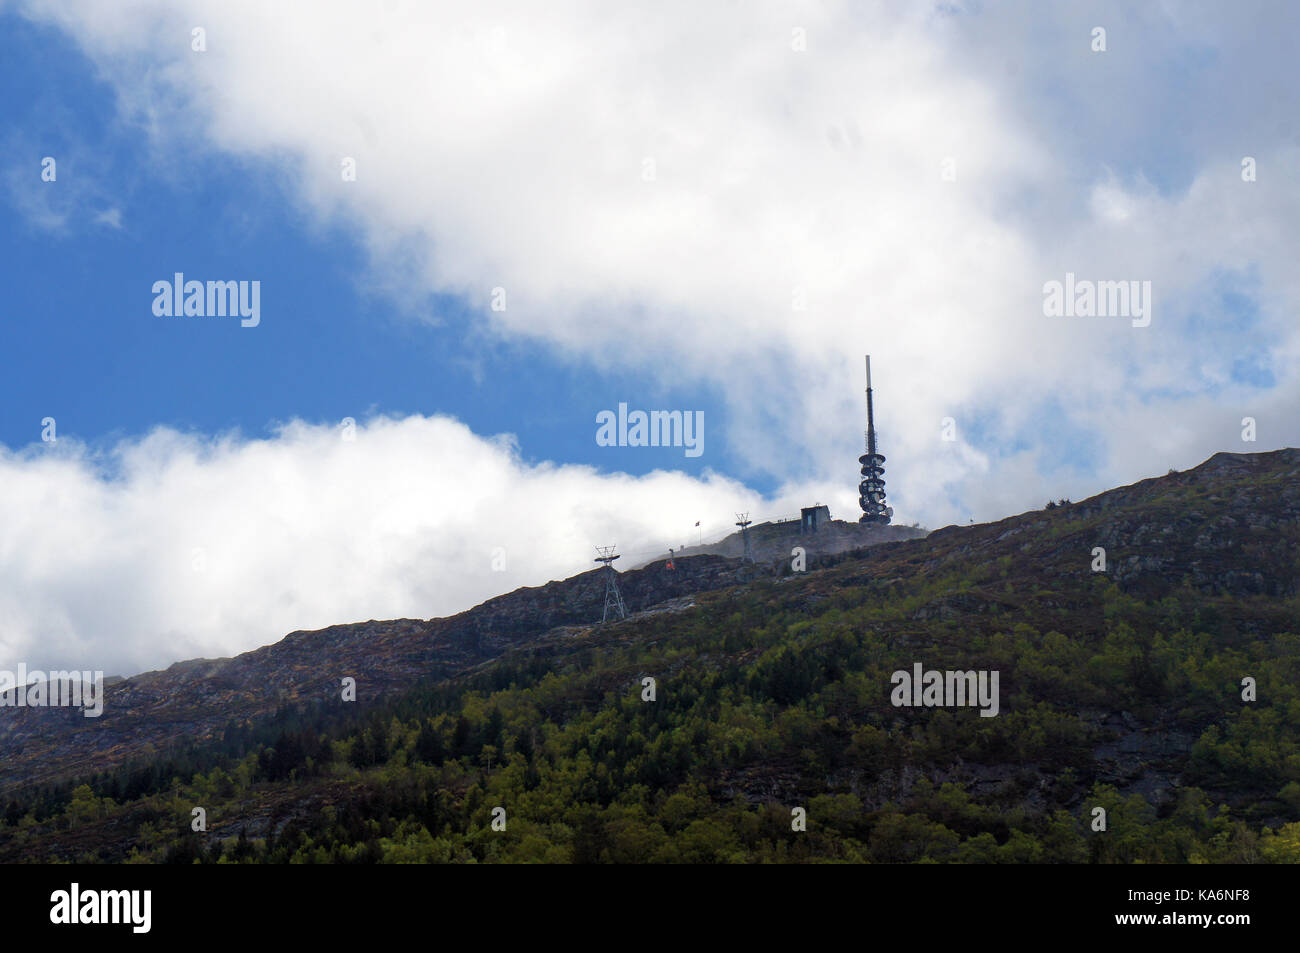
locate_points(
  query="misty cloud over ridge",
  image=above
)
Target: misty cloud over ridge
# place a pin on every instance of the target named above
(174, 545)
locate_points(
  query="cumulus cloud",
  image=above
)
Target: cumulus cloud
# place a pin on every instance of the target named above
(175, 545)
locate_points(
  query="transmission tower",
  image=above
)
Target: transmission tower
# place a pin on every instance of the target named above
(871, 491)
(613, 598)
(743, 521)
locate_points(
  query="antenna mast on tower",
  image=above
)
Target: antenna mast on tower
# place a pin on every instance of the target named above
(871, 491)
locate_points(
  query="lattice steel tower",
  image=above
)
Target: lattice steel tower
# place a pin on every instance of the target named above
(613, 598)
(871, 491)
(743, 521)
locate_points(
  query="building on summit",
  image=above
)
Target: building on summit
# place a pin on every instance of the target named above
(810, 517)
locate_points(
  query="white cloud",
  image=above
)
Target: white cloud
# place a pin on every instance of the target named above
(54, 185)
(110, 217)
(174, 546)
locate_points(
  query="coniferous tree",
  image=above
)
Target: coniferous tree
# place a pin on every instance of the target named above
(429, 746)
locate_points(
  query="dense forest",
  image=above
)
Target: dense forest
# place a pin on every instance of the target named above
(758, 709)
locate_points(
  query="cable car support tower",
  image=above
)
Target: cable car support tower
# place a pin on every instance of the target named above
(613, 598)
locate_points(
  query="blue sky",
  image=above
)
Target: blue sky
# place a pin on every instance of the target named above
(83, 346)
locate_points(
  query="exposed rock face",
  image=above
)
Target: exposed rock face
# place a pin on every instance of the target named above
(196, 699)
(1228, 525)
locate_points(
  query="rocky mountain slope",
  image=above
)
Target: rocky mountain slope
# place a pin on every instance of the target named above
(196, 699)
(1125, 675)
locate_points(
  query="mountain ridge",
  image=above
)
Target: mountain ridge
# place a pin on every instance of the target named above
(194, 698)
(1121, 688)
